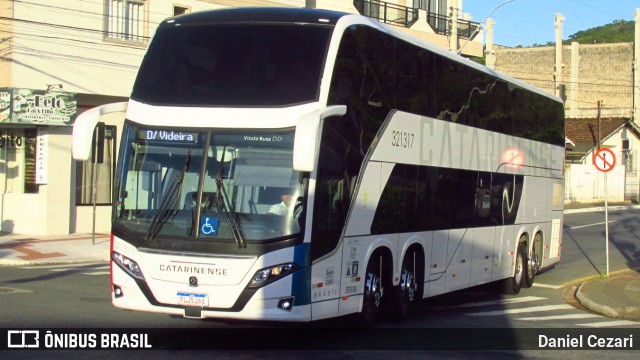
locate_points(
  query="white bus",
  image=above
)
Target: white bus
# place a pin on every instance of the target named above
(298, 164)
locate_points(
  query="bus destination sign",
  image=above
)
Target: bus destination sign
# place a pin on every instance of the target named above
(170, 136)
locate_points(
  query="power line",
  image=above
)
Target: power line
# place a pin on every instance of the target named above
(593, 7)
(66, 38)
(67, 27)
(583, 80)
(34, 25)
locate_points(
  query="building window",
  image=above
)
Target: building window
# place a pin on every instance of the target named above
(180, 10)
(432, 6)
(126, 20)
(18, 160)
(98, 172)
(629, 161)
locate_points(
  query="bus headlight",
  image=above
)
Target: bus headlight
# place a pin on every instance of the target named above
(129, 266)
(268, 275)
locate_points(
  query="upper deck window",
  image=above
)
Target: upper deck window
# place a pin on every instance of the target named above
(233, 65)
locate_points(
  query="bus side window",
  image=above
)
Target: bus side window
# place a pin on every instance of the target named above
(483, 197)
(338, 164)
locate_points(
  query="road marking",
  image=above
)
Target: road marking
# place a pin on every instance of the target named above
(76, 269)
(57, 266)
(8, 290)
(547, 286)
(90, 268)
(611, 323)
(518, 300)
(588, 225)
(523, 310)
(561, 317)
(503, 301)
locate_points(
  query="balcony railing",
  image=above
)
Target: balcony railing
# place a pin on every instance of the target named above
(387, 13)
(442, 25)
(406, 16)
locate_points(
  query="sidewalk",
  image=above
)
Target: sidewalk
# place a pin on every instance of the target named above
(617, 296)
(17, 250)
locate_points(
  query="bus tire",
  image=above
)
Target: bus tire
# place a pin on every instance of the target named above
(533, 261)
(512, 285)
(372, 294)
(409, 290)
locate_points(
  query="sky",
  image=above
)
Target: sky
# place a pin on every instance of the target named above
(528, 22)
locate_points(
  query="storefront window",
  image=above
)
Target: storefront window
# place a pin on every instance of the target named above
(97, 172)
(18, 160)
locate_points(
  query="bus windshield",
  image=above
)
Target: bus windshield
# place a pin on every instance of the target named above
(207, 186)
(232, 65)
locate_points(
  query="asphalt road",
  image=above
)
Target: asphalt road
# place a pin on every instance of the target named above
(51, 297)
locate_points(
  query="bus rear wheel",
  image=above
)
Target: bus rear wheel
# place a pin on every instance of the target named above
(409, 290)
(533, 262)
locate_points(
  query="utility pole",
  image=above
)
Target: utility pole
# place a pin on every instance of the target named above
(453, 35)
(459, 51)
(575, 74)
(489, 52)
(636, 69)
(559, 85)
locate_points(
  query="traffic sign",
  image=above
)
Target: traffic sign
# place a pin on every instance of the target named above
(604, 160)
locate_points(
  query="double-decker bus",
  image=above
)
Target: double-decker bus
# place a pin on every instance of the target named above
(300, 164)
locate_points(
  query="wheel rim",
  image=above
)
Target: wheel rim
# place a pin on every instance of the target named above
(408, 284)
(519, 268)
(533, 263)
(537, 244)
(374, 292)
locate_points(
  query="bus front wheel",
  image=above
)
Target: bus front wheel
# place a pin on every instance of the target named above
(513, 284)
(372, 295)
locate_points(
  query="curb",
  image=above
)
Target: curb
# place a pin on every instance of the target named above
(600, 208)
(595, 307)
(15, 262)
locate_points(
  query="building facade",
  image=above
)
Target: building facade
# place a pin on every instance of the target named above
(59, 58)
(595, 80)
(584, 183)
(590, 73)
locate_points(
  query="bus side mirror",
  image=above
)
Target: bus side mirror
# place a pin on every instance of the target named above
(307, 138)
(84, 126)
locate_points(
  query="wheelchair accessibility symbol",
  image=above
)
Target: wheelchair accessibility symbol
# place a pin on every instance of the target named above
(208, 226)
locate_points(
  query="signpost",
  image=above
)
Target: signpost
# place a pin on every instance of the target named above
(605, 160)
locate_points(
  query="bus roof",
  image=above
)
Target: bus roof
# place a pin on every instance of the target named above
(358, 19)
(260, 14)
(329, 17)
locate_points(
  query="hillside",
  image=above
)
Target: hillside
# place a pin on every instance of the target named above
(618, 31)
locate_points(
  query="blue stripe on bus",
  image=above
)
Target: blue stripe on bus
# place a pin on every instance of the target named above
(301, 284)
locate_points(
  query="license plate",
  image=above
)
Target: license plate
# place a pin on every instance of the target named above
(192, 299)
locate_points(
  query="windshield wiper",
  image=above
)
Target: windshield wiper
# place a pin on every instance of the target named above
(165, 210)
(229, 213)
